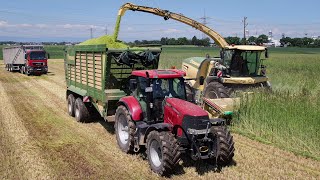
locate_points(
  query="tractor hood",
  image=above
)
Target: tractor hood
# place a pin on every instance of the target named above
(185, 108)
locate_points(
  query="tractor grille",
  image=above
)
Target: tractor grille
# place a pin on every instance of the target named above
(197, 123)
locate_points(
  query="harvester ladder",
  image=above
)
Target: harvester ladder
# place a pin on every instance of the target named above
(16, 56)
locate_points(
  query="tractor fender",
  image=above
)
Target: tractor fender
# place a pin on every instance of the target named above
(157, 127)
(133, 106)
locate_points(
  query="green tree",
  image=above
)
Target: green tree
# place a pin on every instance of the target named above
(262, 39)
(252, 40)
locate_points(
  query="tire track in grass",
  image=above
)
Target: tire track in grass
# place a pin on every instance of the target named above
(27, 156)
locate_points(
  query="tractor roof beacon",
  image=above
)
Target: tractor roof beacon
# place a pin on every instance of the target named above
(156, 115)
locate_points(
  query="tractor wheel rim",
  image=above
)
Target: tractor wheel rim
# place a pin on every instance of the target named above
(123, 131)
(155, 153)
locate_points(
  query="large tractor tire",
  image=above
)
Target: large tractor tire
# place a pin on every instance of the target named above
(215, 90)
(71, 104)
(81, 111)
(163, 152)
(124, 129)
(225, 145)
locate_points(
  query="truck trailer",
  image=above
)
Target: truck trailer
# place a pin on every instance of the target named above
(28, 59)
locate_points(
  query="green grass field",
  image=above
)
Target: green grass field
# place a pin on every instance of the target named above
(289, 116)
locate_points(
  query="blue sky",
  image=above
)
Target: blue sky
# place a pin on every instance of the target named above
(71, 20)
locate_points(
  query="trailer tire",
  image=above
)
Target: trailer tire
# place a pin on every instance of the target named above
(124, 129)
(215, 90)
(163, 152)
(225, 145)
(81, 111)
(71, 105)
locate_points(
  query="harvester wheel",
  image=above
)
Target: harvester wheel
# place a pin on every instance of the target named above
(81, 111)
(163, 152)
(71, 102)
(215, 90)
(225, 145)
(125, 129)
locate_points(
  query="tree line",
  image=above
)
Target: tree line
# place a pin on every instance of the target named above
(285, 41)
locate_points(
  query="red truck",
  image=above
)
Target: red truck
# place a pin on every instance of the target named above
(28, 59)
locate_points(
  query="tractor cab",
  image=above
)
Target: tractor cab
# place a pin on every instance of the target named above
(153, 86)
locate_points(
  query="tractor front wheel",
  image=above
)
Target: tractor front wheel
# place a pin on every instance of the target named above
(124, 128)
(225, 145)
(215, 90)
(163, 152)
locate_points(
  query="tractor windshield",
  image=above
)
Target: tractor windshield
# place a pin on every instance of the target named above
(169, 88)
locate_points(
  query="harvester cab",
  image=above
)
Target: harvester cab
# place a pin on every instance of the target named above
(157, 116)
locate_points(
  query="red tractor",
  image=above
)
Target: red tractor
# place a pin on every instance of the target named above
(157, 116)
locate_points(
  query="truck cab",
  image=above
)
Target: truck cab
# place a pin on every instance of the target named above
(36, 62)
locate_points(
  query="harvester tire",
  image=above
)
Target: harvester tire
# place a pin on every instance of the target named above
(163, 152)
(225, 145)
(81, 111)
(124, 129)
(71, 104)
(215, 90)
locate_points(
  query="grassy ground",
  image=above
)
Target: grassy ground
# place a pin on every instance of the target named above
(39, 140)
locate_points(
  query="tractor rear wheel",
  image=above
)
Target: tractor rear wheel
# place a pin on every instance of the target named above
(225, 145)
(71, 102)
(215, 90)
(124, 129)
(81, 111)
(163, 152)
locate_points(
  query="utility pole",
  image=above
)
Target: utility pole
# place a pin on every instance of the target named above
(204, 21)
(245, 24)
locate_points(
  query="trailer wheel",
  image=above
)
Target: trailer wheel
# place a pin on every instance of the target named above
(163, 152)
(81, 111)
(225, 145)
(71, 105)
(215, 90)
(124, 128)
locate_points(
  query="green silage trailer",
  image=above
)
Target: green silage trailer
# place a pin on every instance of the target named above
(98, 76)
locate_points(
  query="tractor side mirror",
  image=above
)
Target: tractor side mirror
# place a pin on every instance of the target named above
(266, 54)
(25, 56)
(48, 56)
(201, 80)
(133, 84)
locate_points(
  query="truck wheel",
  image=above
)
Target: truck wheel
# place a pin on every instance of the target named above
(163, 152)
(215, 90)
(124, 128)
(225, 145)
(71, 101)
(81, 111)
